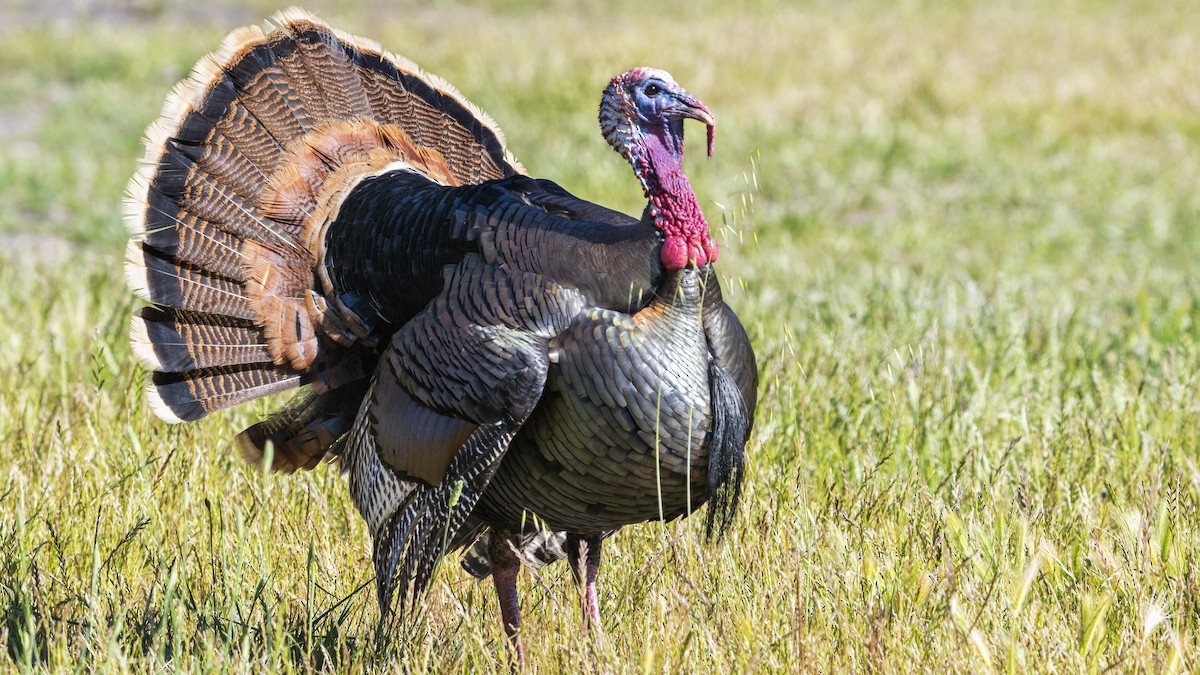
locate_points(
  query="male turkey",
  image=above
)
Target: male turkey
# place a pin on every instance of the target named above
(481, 350)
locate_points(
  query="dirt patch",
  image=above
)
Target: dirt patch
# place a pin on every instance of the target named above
(23, 248)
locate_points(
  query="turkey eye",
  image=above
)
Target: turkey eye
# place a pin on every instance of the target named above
(652, 90)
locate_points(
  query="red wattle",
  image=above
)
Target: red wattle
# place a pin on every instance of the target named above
(674, 254)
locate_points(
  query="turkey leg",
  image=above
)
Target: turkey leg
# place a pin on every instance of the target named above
(505, 566)
(583, 553)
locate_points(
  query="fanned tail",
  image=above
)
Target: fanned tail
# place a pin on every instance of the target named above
(243, 171)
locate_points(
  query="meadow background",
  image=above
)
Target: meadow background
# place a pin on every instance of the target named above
(963, 238)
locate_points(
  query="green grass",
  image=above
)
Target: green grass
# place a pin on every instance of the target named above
(963, 239)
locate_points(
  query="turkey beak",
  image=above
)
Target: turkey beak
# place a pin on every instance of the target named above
(690, 107)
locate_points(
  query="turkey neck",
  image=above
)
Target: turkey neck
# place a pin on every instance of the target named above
(658, 164)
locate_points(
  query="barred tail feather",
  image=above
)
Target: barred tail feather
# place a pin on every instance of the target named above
(177, 341)
(537, 549)
(186, 397)
(304, 430)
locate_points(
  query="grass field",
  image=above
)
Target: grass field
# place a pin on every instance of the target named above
(964, 240)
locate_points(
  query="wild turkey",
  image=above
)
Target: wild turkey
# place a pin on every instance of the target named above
(482, 350)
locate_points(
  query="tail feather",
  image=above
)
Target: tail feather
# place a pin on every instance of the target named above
(201, 245)
(304, 430)
(328, 81)
(175, 341)
(186, 397)
(266, 101)
(160, 213)
(226, 125)
(222, 161)
(537, 549)
(167, 282)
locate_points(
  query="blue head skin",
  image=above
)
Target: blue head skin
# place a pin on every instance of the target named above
(641, 116)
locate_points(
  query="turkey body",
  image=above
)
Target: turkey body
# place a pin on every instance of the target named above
(621, 435)
(495, 363)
